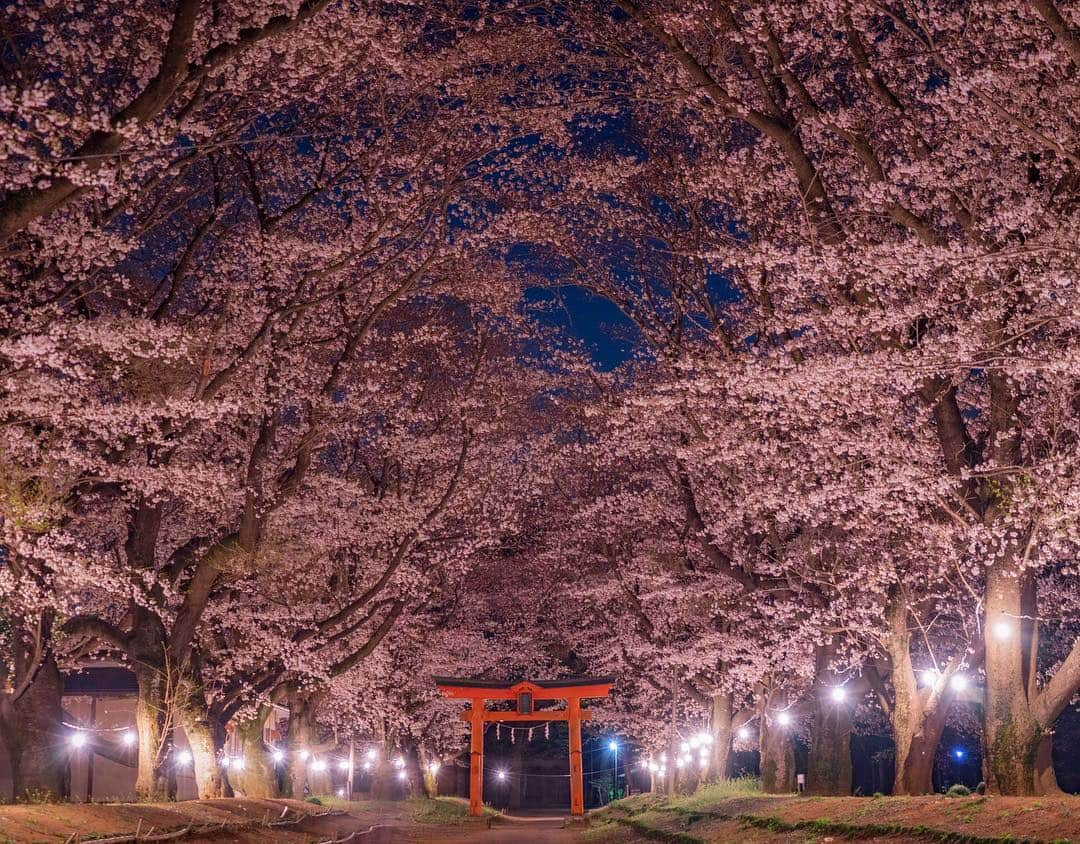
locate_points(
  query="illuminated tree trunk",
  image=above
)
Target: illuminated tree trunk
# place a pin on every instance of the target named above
(153, 706)
(258, 779)
(431, 777)
(382, 772)
(205, 738)
(917, 715)
(1013, 735)
(829, 764)
(777, 755)
(301, 738)
(33, 736)
(720, 727)
(673, 739)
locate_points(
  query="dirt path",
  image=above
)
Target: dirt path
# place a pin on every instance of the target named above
(509, 831)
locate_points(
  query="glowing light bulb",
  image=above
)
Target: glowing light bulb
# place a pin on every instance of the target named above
(372, 753)
(318, 766)
(930, 676)
(1002, 630)
(783, 719)
(128, 738)
(367, 766)
(613, 745)
(403, 775)
(743, 733)
(341, 792)
(278, 756)
(685, 747)
(959, 753)
(838, 694)
(304, 755)
(959, 682)
(77, 740)
(501, 775)
(695, 742)
(183, 758)
(433, 767)
(343, 765)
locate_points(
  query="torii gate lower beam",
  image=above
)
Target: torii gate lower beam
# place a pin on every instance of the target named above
(526, 694)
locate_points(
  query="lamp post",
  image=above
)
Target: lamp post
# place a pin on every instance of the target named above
(613, 746)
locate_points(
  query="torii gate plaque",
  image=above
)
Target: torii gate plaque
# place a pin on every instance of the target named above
(526, 694)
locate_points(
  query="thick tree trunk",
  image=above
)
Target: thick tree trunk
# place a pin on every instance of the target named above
(302, 737)
(258, 778)
(917, 715)
(673, 740)
(205, 738)
(431, 777)
(151, 716)
(720, 727)
(415, 774)
(32, 731)
(382, 771)
(1012, 733)
(829, 764)
(154, 708)
(777, 755)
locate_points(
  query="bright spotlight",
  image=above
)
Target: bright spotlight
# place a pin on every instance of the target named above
(403, 775)
(341, 792)
(838, 693)
(612, 745)
(278, 756)
(77, 740)
(433, 767)
(318, 766)
(783, 719)
(685, 747)
(929, 677)
(128, 738)
(372, 753)
(959, 753)
(500, 775)
(183, 758)
(367, 766)
(743, 733)
(343, 765)
(1002, 630)
(304, 755)
(959, 682)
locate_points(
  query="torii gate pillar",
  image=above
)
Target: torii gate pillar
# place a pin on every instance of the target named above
(526, 694)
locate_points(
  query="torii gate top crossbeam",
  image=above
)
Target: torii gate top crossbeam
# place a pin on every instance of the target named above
(567, 689)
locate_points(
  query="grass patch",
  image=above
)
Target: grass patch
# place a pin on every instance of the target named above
(826, 827)
(442, 811)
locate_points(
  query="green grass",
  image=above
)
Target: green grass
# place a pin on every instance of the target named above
(442, 811)
(701, 800)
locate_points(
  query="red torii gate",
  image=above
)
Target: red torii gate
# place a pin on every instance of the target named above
(526, 693)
